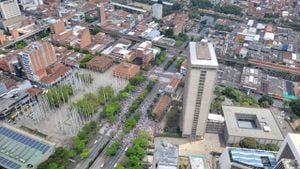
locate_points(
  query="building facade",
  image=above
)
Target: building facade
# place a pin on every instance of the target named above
(36, 58)
(201, 78)
(101, 13)
(288, 155)
(85, 38)
(9, 9)
(58, 27)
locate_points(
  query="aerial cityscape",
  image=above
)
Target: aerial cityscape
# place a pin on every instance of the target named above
(149, 84)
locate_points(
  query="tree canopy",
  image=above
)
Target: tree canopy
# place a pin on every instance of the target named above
(295, 106)
(251, 143)
(112, 150)
(265, 101)
(58, 95)
(205, 4)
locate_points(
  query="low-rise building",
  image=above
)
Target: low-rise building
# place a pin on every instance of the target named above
(240, 158)
(166, 155)
(20, 150)
(196, 162)
(258, 123)
(126, 70)
(162, 105)
(99, 63)
(172, 86)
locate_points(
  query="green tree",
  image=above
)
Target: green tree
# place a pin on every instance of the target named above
(119, 167)
(265, 101)
(112, 150)
(205, 4)
(21, 44)
(295, 106)
(271, 147)
(249, 142)
(85, 153)
(79, 144)
(169, 33)
(135, 151)
(124, 95)
(129, 124)
(232, 93)
(58, 159)
(71, 153)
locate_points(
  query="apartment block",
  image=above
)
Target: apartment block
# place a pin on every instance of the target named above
(36, 58)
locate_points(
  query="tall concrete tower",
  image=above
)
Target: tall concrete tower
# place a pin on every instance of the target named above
(157, 11)
(198, 89)
(101, 13)
(9, 9)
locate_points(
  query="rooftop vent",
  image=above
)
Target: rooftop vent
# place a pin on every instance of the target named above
(204, 42)
(267, 129)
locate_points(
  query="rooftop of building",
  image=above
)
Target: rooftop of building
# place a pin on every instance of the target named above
(295, 140)
(11, 99)
(162, 104)
(20, 151)
(166, 155)
(203, 54)
(197, 162)
(251, 122)
(174, 82)
(57, 72)
(126, 68)
(253, 158)
(100, 61)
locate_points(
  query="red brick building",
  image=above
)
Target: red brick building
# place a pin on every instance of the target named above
(100, 63)
(126, 70)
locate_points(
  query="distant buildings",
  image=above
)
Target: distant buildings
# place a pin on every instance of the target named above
(9, 9)
(166, 155)
(157, 11)
(101, 13)
(31, 4)
(126, 70)
(145, 52)
(78, 37)
(176, 20)
(258, 123)
(200, 81)
(256, 80)
(10, 14)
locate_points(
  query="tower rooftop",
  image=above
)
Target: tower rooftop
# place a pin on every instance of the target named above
(203, 54)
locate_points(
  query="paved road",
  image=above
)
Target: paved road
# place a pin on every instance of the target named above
(94, 153)
(24, 37)
(121, 117)
(143, 124)
(283, 125)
